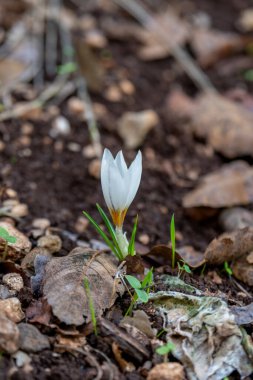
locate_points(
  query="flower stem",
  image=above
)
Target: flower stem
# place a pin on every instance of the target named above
(122, 241)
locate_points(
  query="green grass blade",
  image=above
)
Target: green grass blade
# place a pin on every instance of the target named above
(91, 304)
(131, 246)
(133, 281)
(110, 230)
(148, 279)
(102, 234)
(173, 239)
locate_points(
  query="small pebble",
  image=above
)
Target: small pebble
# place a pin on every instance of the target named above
(76, 106)
(5, 292)
(127, 87)
(41, 223)
(144, 239)
(27, 129)
(14, 281)
(20, 210)
(95, 39)
(94, 168)
(60, 127)
(52, 243)
(81, 224)
(113, 94)
(11, 308)
(89, 151)
(31, 339)
(74, 147)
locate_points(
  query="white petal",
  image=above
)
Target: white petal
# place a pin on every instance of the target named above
(134, 172)
(118, 189)
(107, 160)
(121, 163)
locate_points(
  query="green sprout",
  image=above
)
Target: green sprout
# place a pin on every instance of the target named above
(183, 268)
(173, 240)
(91, 305)
(165, 350)
(112, 241)
(67, 68)
(8, 239)
(141, 289)
(227, 269)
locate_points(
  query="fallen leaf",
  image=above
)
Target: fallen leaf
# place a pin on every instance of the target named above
(133, 127)
(243, 270)
(228, 186)
(141, 321)
(235, 218)
(212, 45)
(226, 125)
(39, 312)
(207, 340)
(64, 288)
(68, 343)
(167, 371)
(124, 365)
(230, 246)
(243, 314)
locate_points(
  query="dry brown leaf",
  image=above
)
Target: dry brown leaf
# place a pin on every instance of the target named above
(230, 246)
(231, 185)
(64, 284)
(124, 365)
(162, 254)
(226, 125)
(212, 45)
(39, 312)
(243, 270)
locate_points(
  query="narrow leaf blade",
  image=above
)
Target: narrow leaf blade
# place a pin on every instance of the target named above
(131, 247)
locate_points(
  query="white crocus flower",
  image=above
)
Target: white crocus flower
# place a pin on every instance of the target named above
(120, 185)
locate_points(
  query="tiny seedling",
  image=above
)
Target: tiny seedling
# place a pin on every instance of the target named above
(173, 240)
(141, 289)
(8, 239)
(161, 332)
(67, 68)
(165, 350)
(112, 241)
(227, 269)
(183, 268)
(91, 305)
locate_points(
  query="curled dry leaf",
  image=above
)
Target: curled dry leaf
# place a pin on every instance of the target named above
(212, 45)
(226, 125)
(64, 285)
(162, 254)
(231, 185)
(133, 127)
(208, 342)
(230, 246)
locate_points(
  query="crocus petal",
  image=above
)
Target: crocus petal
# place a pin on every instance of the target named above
(117, 188)
(134, 172)
(121, 163)
(107, 161)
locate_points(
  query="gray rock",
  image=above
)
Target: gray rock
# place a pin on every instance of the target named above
(31, 339)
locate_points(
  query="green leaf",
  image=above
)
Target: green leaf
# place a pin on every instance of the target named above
(187, 268)
(4, 234)
(67, 68)
(133, 281)
(148, 279)
(131, 246)
(110, 230)
(227, 268)
(102, 234)
(164, 350)
(142, 295)
(173, 239)
(91, 304)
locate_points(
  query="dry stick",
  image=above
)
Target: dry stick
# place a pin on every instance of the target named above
(51, 36)
(83, 94)
(184, 59)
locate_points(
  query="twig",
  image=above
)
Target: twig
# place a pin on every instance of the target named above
(143, 16)
(51, 36)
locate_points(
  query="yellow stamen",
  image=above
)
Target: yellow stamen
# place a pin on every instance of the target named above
(118, 217)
